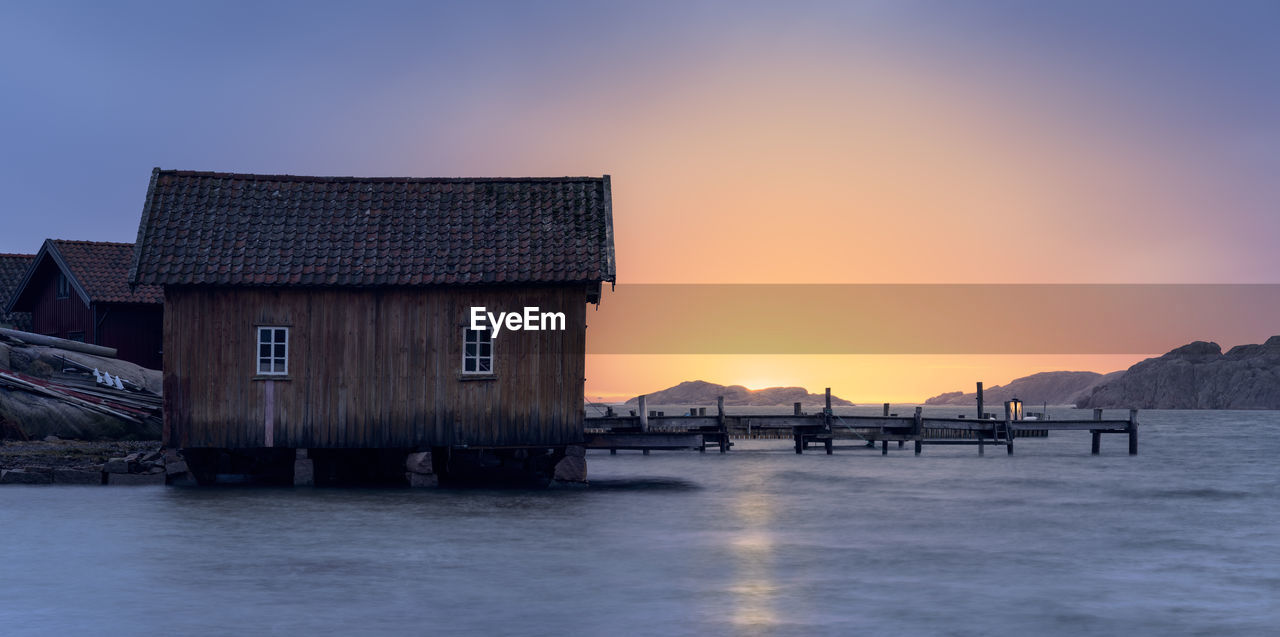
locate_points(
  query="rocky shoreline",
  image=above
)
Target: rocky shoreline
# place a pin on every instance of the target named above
(57, 461)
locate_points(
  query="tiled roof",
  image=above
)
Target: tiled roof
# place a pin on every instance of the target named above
(99, 273)
(12, 268)
(233, 229)
(102, 270)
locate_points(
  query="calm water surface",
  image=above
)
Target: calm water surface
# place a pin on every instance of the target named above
(1183, 539)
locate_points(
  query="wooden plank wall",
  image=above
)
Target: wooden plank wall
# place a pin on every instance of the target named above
(370, 368)
(54, 316)
(135, 331)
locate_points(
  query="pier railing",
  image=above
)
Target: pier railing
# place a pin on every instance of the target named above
(647, 430)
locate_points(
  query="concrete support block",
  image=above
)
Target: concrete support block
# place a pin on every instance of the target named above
(304, 473)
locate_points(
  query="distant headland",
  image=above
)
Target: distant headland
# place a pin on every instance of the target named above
(1195, 376)
(700, 392)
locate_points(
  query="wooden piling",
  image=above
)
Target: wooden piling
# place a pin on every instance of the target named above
(1008, 426)
(724, 430)
(797, 408)
(918, 429)
(884, 447)
(1095, 446)
(1133, 432)
(886, 410)
(980, 404)
(644, 415)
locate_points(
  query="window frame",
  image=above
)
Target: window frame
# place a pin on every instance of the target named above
(477, 357)
(271, 358)
(63, 286)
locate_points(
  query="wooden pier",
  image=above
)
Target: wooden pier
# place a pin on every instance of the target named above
(650, 431)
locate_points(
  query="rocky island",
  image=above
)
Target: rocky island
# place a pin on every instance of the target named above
(1197, 376)
(1054, 388)
(700, 392)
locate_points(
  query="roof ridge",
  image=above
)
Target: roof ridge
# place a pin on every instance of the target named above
(15, 254)
(341, 178)
(94, 243)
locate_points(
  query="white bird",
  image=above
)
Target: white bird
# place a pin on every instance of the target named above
(97, 376)
(119, 385)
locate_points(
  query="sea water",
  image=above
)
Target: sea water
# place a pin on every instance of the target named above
(1183, 539)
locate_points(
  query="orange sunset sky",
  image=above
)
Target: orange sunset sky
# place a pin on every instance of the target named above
(791, 143)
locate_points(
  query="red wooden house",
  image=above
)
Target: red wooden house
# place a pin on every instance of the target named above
(79, 290)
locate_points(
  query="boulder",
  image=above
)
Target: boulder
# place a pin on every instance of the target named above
(571, 469)
(77, 476)
(419, 462)
(118, 465)
(23, 476)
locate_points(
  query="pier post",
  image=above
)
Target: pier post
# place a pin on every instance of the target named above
(981, 446)
(797, 408)
(919, 430)
(1133, 432)
(1095, 446)
(980, 405)
(884, 447)
(886, 410)
(1008, 426)
(644, 414)
(724, 431)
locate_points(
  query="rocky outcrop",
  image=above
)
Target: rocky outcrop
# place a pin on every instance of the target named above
(52, 391)
(700, 392)
(1054, 388)
(56, 461)
(1197, 376)
(419, 470)
(571, 470)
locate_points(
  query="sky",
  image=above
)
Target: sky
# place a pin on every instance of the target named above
(900, 142)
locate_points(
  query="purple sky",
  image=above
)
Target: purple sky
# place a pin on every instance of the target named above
(96, 94)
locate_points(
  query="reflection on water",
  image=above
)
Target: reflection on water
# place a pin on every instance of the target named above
(1179, 540)
(752, 549)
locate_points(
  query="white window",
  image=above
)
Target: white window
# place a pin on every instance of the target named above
(273, 350)
(64, 286)
(477, 352)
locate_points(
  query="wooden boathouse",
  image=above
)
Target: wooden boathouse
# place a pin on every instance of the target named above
(328, 319)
